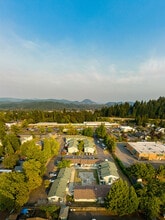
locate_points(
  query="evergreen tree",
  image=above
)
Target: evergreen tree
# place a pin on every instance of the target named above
(121, 199)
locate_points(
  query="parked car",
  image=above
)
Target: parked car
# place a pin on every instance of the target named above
(51, 174)
(52, 179)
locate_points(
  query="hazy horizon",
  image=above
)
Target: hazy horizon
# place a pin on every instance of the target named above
(80, 49)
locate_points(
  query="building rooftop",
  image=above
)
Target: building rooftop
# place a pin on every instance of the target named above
(108, 168)
(148, 147)
(58, 187)
(90, 192)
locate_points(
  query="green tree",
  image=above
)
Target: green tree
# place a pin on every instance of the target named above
(64, 163)
(2, 130)
(50, 147)
(15, 129)
(110, 142)
(88, 132)
(101, 131)
(121, 199)
(51, 211)
(71, 130)
(161, 171)
(151, 197)
(8, 149)
(81, 146)
(10, 161)
(142, 170)
(150, 206)
(30, 150)
(32, 170)
(13, 191)
(13, 140)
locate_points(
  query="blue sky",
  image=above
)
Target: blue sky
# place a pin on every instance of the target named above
(104, 50)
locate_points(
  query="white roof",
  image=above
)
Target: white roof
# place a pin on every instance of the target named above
(148, 147)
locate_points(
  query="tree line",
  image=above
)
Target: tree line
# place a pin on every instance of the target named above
(141, 111)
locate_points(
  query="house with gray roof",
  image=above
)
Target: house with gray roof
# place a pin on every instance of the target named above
(108, 172)
(72, 146)
(57, 191)
(89, 147)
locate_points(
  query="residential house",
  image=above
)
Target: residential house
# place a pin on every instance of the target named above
(72, 146)
(95, 193)
(89, 147)
(57, 191)
(108, 172)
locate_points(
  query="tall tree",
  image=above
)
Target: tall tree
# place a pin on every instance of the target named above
(110, 142)
(88, 132)
(10, 161)
(13, 191)
(121, 199)
(101, 131)
(150, 206)
(32, 170)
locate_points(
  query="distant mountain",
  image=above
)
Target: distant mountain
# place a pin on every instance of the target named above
(51, 104)
(10, 100)
(88, 102)
(46, 104)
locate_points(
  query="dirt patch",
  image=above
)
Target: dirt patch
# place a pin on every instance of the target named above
(38, 195)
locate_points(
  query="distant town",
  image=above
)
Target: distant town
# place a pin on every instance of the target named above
(109, 162)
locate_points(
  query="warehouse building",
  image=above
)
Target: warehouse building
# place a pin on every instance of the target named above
(147, 150)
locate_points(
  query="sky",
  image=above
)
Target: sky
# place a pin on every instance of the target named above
(103, 50)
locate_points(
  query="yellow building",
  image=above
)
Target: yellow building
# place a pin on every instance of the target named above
(147, 150)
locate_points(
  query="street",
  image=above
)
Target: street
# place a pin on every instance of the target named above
(100, 216)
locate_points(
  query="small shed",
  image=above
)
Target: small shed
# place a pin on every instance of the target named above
(64, 213)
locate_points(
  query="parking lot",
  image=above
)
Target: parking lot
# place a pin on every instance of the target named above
(124, 155)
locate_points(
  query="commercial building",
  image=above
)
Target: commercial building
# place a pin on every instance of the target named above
(147, 150)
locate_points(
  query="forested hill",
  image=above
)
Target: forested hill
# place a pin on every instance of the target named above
(46, 104)
(67, 112)
(50, 104)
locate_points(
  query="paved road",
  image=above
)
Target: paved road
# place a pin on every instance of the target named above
(100, 216)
